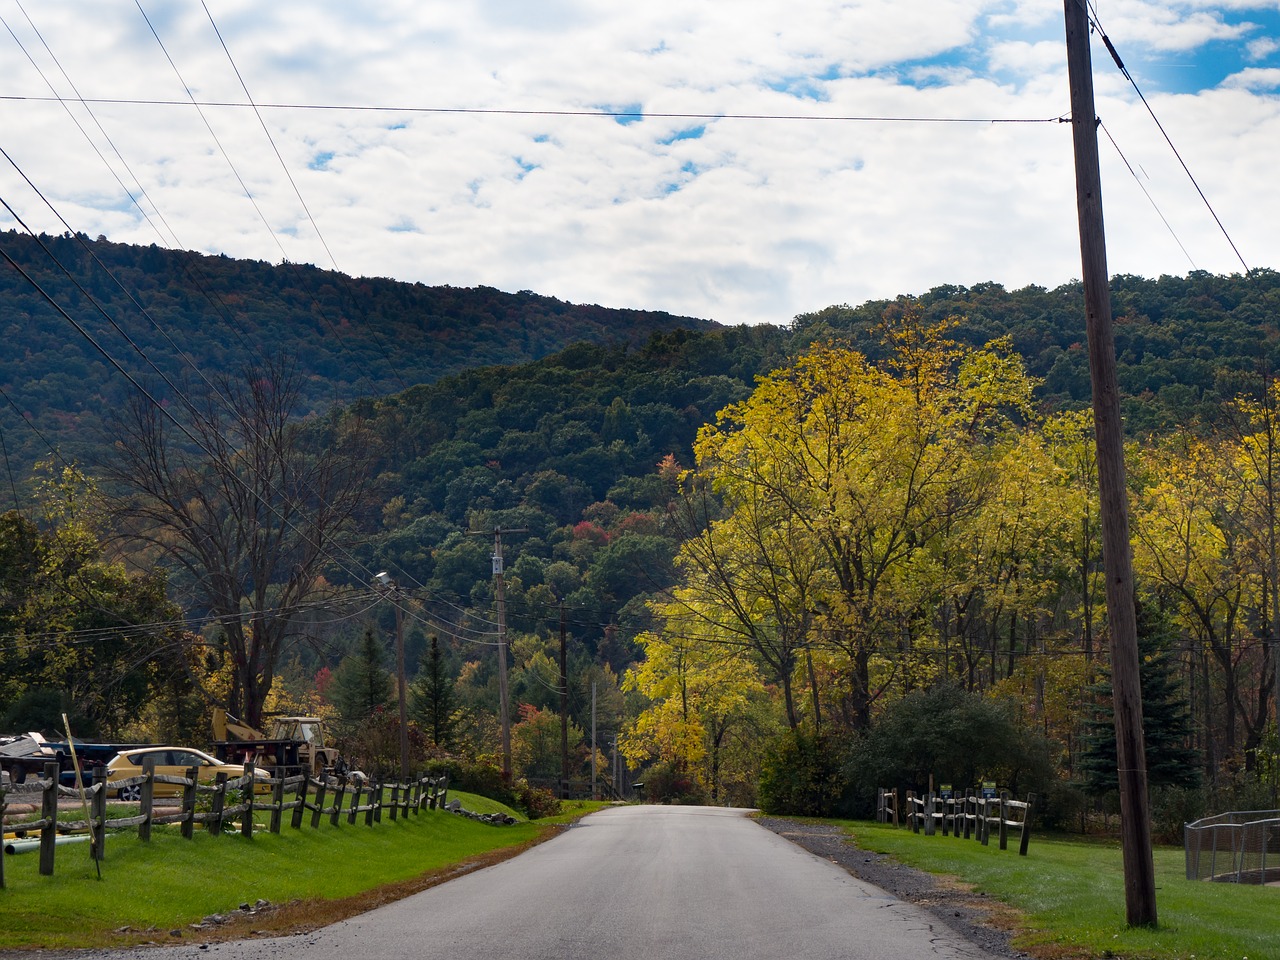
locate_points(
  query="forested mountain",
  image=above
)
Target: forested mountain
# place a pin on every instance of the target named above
(182, 315)
(1181, 342)
(577, 450)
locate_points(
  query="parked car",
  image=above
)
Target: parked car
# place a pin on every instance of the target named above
(175, 762)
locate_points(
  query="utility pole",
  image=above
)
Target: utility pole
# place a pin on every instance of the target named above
(500, 599)
(594, 794)
(393, 589)
(1135, 822)
(564, 707)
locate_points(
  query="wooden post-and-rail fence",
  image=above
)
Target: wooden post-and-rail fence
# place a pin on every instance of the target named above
(230, 803)
(964, 817)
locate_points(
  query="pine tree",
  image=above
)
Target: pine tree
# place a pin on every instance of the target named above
(433, 700)
(1166, 721)
(361, 684)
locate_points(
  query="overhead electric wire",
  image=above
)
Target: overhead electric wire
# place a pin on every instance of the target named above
(1133, 173)
(298, 193)
(177, 391)
(53, 450)
(515, 112)
(66, 105)
(1092, 12)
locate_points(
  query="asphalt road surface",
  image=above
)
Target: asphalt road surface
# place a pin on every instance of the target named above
(631, 883)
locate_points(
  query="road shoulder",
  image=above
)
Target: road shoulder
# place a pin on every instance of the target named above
(984, 922)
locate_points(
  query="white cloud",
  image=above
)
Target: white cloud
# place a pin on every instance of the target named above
(753, 220)
(1262, 48)
(1254, 79)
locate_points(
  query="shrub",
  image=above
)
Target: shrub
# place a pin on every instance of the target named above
(664, 784)
(956, 737)
(537, 802)
(802, 776)
(475, 776)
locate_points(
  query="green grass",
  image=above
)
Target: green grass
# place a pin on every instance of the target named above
(1070, 895)
(170, 882)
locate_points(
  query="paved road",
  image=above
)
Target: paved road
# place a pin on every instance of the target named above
(632, 883)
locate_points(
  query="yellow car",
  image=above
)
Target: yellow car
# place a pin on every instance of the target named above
(175, 762)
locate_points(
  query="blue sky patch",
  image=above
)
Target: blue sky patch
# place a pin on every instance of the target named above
(320, 161)
(624, 114)
(806, 87)
(526, 167)
(689, 133)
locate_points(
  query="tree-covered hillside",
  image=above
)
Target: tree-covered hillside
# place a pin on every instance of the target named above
(1180, 341)
(182, 315)
(579, 456)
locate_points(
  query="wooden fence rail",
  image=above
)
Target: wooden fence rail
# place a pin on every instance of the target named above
(967, 816)
(218, 805)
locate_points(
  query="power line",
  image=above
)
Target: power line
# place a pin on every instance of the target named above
(1133, 173)
(1115, 56)
(515, 112)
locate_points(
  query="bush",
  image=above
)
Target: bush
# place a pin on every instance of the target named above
(802, 776)
(664, 784)
(1171, 808)
(956, 737)
(1063, 806)
(475, 776)
(536, 801)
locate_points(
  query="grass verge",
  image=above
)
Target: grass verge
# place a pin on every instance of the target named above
(1069, 895)
(310, 877)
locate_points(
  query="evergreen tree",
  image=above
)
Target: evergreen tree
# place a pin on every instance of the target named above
(1166, 721)
(361, 684)
(432, 699)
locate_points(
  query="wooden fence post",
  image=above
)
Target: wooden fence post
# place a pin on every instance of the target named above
(188, 828)
(318, 809)
(277, 800)
(219, 802)
(375, 791)
(301, 805)
(355, 802)
(251, 793)
(1026, 825)
(4, 803)
(1004, 819)
(929, 802)
(337, 801)
(148, 798)
(98, 814)
(378, 803)
(986, 821)
(49, 814)
(395, 800)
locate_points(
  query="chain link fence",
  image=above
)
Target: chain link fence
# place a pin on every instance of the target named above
(1238, 847)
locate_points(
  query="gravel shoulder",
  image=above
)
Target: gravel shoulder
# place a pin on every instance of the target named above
(984, 922)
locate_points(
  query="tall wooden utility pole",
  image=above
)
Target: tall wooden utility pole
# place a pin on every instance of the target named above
(392, 589)
(1135, 822)
(500, 599)
(564, 706)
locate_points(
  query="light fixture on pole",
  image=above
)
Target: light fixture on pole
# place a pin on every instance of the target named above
(392, 589)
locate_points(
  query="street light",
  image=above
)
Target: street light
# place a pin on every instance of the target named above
(392, 588)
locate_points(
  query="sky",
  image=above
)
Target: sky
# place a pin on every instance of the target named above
(736, 160)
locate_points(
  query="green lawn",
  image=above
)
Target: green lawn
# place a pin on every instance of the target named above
(1071, 897)
(170, 883)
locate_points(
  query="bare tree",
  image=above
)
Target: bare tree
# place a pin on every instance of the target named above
(246, 511)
